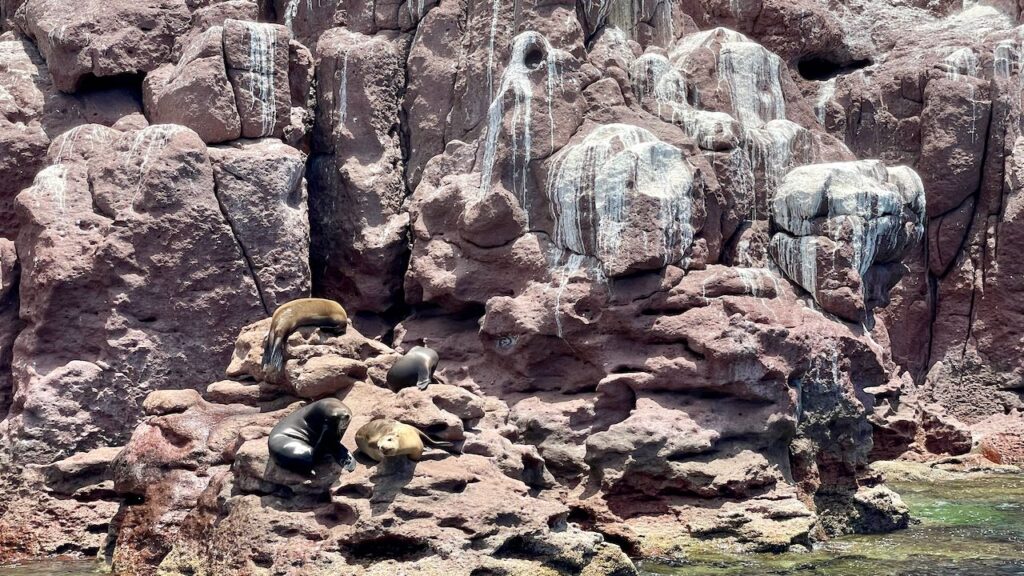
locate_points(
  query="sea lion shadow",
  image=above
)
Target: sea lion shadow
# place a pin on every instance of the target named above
(388, 479)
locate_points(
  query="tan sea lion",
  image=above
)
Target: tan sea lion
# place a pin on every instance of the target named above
(383, 438)
(302, 312)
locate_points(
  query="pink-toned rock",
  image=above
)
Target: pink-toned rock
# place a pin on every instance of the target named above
(162, 402)
(195, 92)
(10, 273)
(575, 206)
(168, 227)
(842, 229)
(261, 189)
(32, 112)
(357, 189)
(101, 39)
(256, 56)
(1001, 438)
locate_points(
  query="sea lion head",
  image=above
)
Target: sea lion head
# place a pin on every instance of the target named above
(388, 444)
(340, 421)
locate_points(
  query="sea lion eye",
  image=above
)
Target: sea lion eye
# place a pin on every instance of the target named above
(506, 342)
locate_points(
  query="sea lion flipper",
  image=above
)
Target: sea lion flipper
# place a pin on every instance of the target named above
(273, 353)
(428, 441)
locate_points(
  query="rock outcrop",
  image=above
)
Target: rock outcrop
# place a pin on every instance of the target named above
(690, 267)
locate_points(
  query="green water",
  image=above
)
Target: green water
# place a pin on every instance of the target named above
(53, 568)
(968, 528)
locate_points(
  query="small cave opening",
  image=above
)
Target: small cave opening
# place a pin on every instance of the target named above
(128, 83)
(819, 68)
(534, 58)
(389, 547)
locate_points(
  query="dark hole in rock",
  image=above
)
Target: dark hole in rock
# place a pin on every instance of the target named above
(534, 58)
(336, 514)
(262, 559)
(129, 83)
(581, 516)
(392, 547)
(514, 547)
(507, 519)
(628, 546)
(823, 68)
(434, 429)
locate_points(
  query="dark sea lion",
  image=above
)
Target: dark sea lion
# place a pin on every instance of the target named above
(416, 368)
(384, 438)
(302, 312)
(309, 434)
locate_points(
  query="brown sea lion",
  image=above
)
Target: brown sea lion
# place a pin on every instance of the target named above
(309, 434)
(302, 312)
(383, 438)
(416, 368)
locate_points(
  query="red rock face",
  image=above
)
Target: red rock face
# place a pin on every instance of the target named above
(689, 267)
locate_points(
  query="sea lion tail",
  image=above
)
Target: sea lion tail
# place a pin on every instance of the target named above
(273, 353)
(431, 442)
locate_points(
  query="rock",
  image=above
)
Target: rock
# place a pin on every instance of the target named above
(357, 190)
(1002, 439)
(589, 211)
(100, 39)
(256, 57)
(881, 510)
(195, 92)
(9, 276)
(839, 225)
(33, 112)
(163, 402)
(320, 376)
(170, 228)
(261, 189)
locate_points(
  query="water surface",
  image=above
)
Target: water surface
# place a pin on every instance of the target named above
(970, 527)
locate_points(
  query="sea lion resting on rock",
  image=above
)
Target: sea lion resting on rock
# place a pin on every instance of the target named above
(383, 438)
(416, 368)
(310, 433)
(288, 317)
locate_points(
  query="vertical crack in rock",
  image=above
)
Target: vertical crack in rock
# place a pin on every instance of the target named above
(241, 247)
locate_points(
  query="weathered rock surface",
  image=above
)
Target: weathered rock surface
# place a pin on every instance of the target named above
(216, 458)
(654, 242)
(102, 39)
(115, 208)
(356, 186)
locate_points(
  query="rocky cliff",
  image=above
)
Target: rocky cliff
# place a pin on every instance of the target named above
(690, 266)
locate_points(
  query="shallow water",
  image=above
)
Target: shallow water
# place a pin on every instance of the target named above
(53, 568)
(968, 528)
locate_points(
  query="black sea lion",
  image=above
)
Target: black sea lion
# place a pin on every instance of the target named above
(416, 368)
(302, 312)
(310, 433)
(384, 438)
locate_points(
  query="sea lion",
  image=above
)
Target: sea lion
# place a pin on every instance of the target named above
(302, 312)
(308, 434)
(383, 438)
(416, 368)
